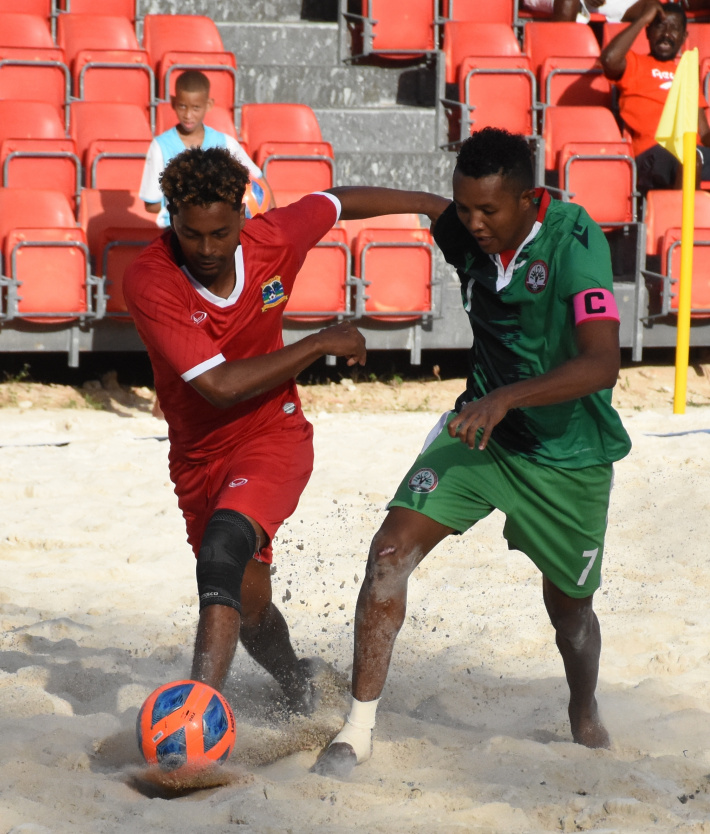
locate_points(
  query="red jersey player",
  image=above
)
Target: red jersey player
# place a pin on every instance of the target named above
(207, 299)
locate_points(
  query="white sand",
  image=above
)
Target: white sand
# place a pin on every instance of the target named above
(97, 608)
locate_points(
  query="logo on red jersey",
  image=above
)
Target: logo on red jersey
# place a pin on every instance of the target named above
(237, 482)
(272, 293)
(536, 279)
(198, 317)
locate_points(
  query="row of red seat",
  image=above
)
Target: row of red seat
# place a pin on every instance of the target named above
(55, 269)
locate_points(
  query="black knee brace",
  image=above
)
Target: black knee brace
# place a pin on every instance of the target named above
(227, 546)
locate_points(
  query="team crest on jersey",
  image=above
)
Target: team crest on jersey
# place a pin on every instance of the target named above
(424, 480)
(272, 293)
(536, 279)
(198, 317)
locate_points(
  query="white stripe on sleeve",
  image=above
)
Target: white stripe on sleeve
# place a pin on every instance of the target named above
(203, 366)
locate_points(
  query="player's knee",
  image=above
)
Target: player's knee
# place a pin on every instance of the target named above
(390, 561)
(576, 628)
(227, 546)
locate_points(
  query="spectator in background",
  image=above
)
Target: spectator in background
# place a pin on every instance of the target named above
(191, 103)
(643, 82)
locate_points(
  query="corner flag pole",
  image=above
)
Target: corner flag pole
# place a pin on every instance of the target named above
(682, 351)
(677, 131)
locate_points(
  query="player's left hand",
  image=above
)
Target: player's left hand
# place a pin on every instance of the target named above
(484, 414)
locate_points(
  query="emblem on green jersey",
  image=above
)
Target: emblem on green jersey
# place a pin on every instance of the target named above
(536, 279)
(424, 480)
(582, 234)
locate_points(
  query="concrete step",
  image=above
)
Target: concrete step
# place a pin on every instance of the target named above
(295, 43)
(335, 86)
(376, 129)
(222, 10)
(410, 171)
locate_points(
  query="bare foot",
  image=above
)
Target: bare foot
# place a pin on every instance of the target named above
(336, 761)
(587, 727)
(300, 697)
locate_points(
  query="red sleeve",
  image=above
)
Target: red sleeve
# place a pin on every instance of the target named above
(166, 312)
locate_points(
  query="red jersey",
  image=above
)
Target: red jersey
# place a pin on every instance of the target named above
(643, 90)
(188, 330)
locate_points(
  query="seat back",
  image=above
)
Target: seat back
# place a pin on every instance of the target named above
(117, 248)
(179, 33)
(602, 178)
(664, 210)
(116, 163)
(114, 75)
(32, 163)
(611, 30)
(671, 263)
(29, 207)
(574, 81)
(277, 123)
(24, 30)
(76, 32)
(492, 11)
(297, 166)
(42, 8)
(548, 39)
(465, 38)
(115, 8)
(576, 124)
(395, 266)
(400, 28)
(385, 221)
(94, 120)
(102, 210)
(30, 120)
(321, 291)
(28, 75)
(497, 92)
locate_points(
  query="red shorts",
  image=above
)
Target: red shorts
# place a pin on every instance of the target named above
(262, 477)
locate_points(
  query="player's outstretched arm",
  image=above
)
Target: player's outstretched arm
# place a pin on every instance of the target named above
(241, 379)
(613, 56)
(595, 368)
(359, 202)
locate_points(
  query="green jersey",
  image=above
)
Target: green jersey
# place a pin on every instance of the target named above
(523, 325)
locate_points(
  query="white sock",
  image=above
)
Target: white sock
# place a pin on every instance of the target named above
(357, 731)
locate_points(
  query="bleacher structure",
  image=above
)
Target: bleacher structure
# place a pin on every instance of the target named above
(319, 93)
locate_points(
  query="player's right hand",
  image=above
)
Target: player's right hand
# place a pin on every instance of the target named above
(344, 339)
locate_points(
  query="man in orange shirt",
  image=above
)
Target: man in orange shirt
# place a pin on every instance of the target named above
(643, 82)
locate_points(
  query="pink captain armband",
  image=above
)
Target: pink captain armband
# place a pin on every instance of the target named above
(595, 305)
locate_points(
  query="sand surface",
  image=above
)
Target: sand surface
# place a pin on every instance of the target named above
(97, 608)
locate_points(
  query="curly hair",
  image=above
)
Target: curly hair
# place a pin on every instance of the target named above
(495, 151)
(198, 177)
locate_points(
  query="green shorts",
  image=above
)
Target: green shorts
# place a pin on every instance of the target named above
(556, 516)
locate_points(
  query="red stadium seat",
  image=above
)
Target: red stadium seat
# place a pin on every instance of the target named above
(602, 178)
(114, 8)
(42, 8)
(574, 81)
(117, 249)
(30, 120)
(322, 290)
(35, 75)
(576, 124)
(262, 123)
(218, 117)
(385, 221)
(492, 11)
(664, 210)
(395, 268)
(296, 166)
(496, 92)
(32, 163)
(25, 31)
(547, 39)
(464, 39)
(610, 30)
(92, 121)
(670, 260)
(78, 32)
(45, 258)
(116, 163)
(397, 29)
(170, 42)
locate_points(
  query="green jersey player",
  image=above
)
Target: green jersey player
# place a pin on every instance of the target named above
(534, 434)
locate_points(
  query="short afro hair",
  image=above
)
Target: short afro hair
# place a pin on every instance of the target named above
(192, 81)
(200, 177)
(494, 151)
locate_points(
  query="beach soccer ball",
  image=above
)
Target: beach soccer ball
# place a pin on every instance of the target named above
(258, 197)
(185, 725)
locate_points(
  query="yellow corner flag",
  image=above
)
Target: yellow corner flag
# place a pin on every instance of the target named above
(680, 112)
(677, 132)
